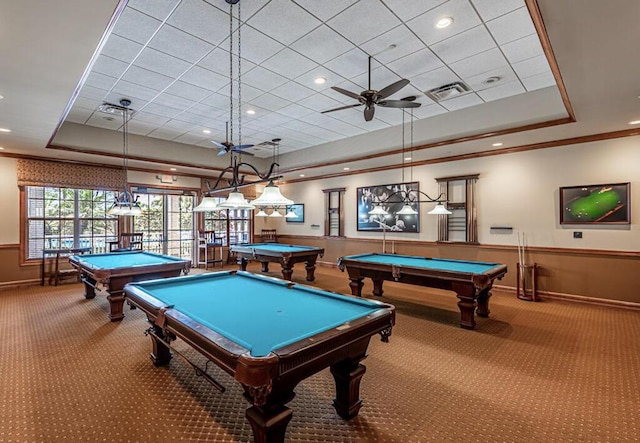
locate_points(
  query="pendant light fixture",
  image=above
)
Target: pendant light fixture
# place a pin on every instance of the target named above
(124, 204)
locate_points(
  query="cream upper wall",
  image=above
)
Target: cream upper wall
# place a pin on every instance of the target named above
(520, 190)
(10, 198)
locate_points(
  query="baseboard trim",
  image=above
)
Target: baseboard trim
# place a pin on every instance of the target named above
(18, 283)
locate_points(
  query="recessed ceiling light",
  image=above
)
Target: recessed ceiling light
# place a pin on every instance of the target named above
(5, 130)
(206, 131)
(1, 148)
(497, 144)
(490, 80)
(407, 158)
(172, 169)
(444, 22)
(320, 80)
(346, 169)
(250, 111)
(634, 122)
(302, 175)
(1, 96)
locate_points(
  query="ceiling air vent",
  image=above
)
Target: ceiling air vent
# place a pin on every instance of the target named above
(447, 91)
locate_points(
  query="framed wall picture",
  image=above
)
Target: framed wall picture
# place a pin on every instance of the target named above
(390, 198)
(595, 204)
(297, 209)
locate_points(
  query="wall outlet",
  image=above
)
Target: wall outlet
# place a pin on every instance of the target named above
(577, 234)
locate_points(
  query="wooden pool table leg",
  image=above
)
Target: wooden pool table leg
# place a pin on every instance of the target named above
(265, 266)
(310, 266)
(356, 284)
(377, 287)
(347, 375)
(89, 286)
(467, 304)
(160, 354)
(242, 262)
(483, 302)
(269, 423)
(116, 305)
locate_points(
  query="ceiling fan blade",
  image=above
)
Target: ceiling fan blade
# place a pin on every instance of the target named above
(368, 113)
(392, 88)
(243, 152)
(347, 93)
(219, 145)
(238, 148)
(398, 104)
(222, 152)
(341, 108)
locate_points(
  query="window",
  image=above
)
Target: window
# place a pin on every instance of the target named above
(232, 225)
(67, 218)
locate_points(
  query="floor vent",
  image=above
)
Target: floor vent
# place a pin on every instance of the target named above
(447, 91)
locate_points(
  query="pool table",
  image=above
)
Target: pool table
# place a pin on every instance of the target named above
(268, 333)
(470, 280)
(115, 269)
(286, 255)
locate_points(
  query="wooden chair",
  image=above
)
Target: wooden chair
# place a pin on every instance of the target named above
(129, 241)
(269, 236)
(208, 244)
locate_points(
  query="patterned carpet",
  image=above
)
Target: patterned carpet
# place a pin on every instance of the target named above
(532, 372)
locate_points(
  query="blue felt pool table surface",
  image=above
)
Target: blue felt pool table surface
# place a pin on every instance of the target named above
(259, 313)
(116, 260)
(277, 247)
(471, 267)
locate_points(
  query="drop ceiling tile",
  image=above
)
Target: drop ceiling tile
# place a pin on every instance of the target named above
(504, 74)
(138, 95)
(321, 101)
(463, 45)
(203, 78)
(479, 63)
(532, 66)
(336, 125)
(294, 110)
(322, 45)
(289, 63)
(433, 79)
(248, 92)
(180, 125)
(165, 133)
(522, 49)
(539, 81)
(147, 78)
(187, 91)
(109, 66)
(164, 111)
(490, 9)
(147, 117)
(270, 21)
(78, 115)
(350, 64)
(263, 79)
(381, 77)
(326, 9)
(392, 45)
(218, 62)
(136, 26)
(216, 101)
(159, 10)
(256, 46)
(512, 26)
(416, 63)
(172, 101)
(161, 63)
(502, 91)
(140, 128)
(121, 49)
(100, 81)
(428, 109)
(179, 44)
(355, 23)
(272, 121)
(407, 10)
(92, 94)
(270, 102)
(293, 92)
(461, 102)
(464, 18)
(249, 8)
(201, 20)
(308, 79)
(191, 138)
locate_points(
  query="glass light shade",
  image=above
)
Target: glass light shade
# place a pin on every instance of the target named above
(275, 213)
(291, 214)
(378, 210)
(207, 204)
(236, 201)
(407, 210)
(271, 196)
(439, 209)
(261, 213)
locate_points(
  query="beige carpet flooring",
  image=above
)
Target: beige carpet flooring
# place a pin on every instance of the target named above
(553, 371)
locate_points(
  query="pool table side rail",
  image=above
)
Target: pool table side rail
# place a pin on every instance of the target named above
(251, 249)
(99, 273)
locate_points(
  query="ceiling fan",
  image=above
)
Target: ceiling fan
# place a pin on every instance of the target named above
(228, 146)
(370, 97)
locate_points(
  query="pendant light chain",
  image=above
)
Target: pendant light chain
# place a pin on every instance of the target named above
(230, 73)
(403, 130)
(239, 81)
